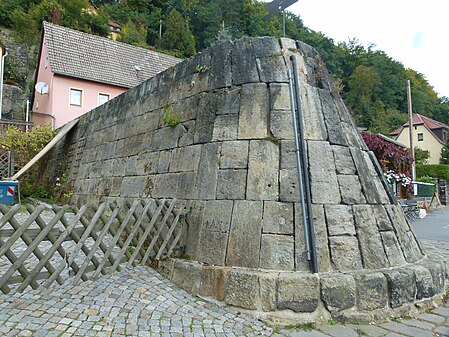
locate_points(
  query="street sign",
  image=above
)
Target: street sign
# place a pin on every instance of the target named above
(277, 6)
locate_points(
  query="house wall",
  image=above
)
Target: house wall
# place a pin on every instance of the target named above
(57, 102)
(429, 142)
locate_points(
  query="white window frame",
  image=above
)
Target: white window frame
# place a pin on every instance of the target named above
(100, 94)
(81, 97)
(422, 137)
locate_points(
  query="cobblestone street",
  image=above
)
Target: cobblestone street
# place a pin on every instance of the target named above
(140, 302)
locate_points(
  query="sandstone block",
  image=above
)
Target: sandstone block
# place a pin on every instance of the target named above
(288, 185)
(186, 186)
(263, 170)
(242, 289)
(392, 248)
(345, 253)
(185, 158)
(187, 275)
(132, 186)
(279, 96)
(288, 154)
(225, 127)
(281, 124)
(212, 248)
(338, 292)
(228, 101)
(221, 67)
(217, 215)
(213, 282)
(340, 220)
(268, 291)
(244, 68)
(277, 217)
(314, 127)
(206, 180)
(323, 178)
(383, 221)
(277, 252)
(147, 163)
(332, 118)
(234, 154)
(351, 190)
(372, 291)
(231, 184)
(424, 282)
(163, 162)
(272, 69)
(299, 293)
(244, 237)
(253, 117)
(205, 120)
(401, 286)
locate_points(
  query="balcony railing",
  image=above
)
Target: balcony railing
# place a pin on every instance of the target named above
(24, 126)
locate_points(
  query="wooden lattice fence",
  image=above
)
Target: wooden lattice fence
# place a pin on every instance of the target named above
(71, 244)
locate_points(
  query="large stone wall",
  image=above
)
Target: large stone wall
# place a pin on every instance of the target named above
(231, 162)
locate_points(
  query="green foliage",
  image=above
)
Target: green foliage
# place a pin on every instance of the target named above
(170, 118)
(439, 171)
(133, 34)
(178, 35)
(14, 72)
(444, 154)
(421, 156)
(24, 146)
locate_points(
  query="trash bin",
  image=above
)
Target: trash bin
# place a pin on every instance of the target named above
(7, 191)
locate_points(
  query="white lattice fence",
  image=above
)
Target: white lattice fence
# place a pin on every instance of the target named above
(74, 244)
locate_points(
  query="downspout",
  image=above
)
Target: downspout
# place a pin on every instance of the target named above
(45, 114)
(1, 81)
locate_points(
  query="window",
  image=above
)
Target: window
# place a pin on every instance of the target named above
(102, 98)
(76, 96)
(420, 137)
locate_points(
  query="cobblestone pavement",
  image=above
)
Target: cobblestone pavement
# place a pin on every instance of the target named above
(140, 302)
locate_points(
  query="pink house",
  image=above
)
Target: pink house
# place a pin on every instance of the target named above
(79, 71)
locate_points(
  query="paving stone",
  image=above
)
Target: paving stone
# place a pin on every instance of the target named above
(406, 330)
(432, 318)
(338, 330)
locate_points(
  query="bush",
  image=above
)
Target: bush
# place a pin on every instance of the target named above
(439, 171)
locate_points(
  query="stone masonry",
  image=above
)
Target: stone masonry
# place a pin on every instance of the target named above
(230, 160)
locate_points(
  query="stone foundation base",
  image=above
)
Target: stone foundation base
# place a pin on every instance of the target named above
(358, 297)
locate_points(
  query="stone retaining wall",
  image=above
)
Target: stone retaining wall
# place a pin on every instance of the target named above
(230, 160)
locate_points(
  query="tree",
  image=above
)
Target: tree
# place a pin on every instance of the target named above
(133, 34)
(444, 159)
(421, 156)
(178, 35)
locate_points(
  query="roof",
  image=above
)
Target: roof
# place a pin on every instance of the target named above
(94, 58)
(418, 119)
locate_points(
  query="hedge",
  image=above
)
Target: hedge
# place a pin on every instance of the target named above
(435, 171)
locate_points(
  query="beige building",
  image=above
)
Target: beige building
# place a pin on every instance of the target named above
(428, 134)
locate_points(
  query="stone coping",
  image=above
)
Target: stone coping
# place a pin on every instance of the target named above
(356, 297)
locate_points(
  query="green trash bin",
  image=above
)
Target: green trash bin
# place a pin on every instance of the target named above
(8, 191)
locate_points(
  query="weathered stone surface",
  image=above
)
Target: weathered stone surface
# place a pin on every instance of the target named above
(163, 139)
(424, 282)
(205, 120)
(338, 292)
(332, 118)
(340, 220)
(185, 158)
(288, 154)
(212, 248)
(401, 286)
(186, 185)
(244, 237)
(234, 154)
(298, 292)
(163, 162)
(244, 68)
(147, 163)
(225, 127)
(392, 249)
(272, 69)
(194, 218)
(266, 46)
(132, 186)
(277, 252)
(372, 291)
(242, 289)
(231, 184)
(268, 290)
(277, 217)
(345, 253)
(217, 215)
(288, 44)
(186, 108)
(263, 171)
(407, 241)
(228, 101)
(351, 190)
(188, 133)
(161, 185)
(323, 178)
(383, 221)
(370, 188)
(347, 124)
(314, 128)
(213, 282)
(221, 67)
(377, 176)
(206, 180)
(253, 117)
(438, 270)
(371, 247)
(279, 96)
(187, 275)
(281, 124)
(288, 185)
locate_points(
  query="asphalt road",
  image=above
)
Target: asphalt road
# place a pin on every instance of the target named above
(435, 226)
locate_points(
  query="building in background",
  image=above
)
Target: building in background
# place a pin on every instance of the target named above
(76, 72)
(428, 134)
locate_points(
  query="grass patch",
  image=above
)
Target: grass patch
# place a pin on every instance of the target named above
(301, 326)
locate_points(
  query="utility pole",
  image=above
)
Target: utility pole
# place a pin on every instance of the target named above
(2, 73)
(410, 124)
(160, 29)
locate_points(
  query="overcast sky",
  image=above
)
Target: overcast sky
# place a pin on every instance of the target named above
(412, 32)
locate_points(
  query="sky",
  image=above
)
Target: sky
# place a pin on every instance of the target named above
(412, 32)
